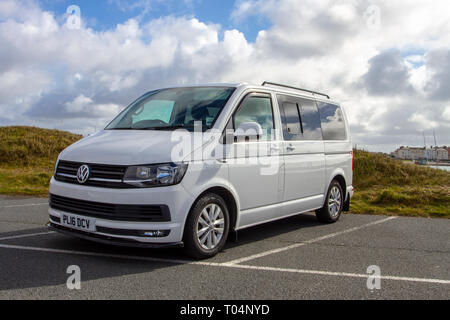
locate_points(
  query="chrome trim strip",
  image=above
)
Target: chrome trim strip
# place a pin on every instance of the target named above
(108, 172)
(91, 179)
(66, 175)
(67, 168)
(105, 180)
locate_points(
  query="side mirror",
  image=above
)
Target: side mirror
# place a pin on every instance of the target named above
(248, 131)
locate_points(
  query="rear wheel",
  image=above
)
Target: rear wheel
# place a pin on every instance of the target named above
(334, 204)
(207, 227)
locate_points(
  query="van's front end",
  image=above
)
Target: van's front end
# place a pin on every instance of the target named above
(98, 192)
(124, 185)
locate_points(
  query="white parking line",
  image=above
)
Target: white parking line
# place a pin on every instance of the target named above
(226, 265)
(26, 235)
(96, 254)
(337, 274)
(300, 244)
(24, 205)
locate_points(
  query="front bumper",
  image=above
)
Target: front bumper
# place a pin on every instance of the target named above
(350, 191)
(108, 239)
(122, 231)
(176, 198)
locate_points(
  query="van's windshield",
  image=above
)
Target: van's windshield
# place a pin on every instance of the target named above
(170, 109)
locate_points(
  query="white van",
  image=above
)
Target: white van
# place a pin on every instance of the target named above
(189, 166)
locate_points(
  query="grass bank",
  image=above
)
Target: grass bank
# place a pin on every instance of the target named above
(27, 158)
(386, 186)
(383, 186)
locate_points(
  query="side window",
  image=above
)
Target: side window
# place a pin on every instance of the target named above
(310, 120)
(332, 119)
(256, 109)
(292, 118)
(300, 118)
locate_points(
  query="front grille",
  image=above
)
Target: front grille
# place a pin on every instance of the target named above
(108, 211)
(104, 176)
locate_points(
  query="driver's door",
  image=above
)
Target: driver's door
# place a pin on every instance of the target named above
(255, 167)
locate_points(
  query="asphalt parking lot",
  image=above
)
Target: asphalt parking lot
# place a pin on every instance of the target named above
(296, 258)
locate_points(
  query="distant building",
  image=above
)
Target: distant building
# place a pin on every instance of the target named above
(441, 154)
(417, 153)
(410, 153)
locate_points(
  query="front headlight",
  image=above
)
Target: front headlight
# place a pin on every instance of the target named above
(159, 175)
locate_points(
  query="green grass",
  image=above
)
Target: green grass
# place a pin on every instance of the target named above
(32, 147)
(26, 181)
(383, 186)
(373, 169)
(388, 187)
(27, 158)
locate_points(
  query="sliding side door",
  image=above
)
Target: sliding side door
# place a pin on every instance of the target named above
(303, 153)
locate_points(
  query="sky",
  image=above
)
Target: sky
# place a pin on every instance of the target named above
(73, 65)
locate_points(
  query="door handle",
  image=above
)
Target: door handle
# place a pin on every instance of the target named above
(222, 160)
(290, 148)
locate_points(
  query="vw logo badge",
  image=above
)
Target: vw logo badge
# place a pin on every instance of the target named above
(83, 173)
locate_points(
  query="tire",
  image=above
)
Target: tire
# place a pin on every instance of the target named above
(334, 203)
(205, 216)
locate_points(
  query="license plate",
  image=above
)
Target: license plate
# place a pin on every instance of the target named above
(78, 222)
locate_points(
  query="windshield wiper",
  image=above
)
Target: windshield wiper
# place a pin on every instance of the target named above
(176, 126)
(120, 129)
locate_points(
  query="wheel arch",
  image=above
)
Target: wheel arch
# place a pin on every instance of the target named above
(227, 196)
(339, 176)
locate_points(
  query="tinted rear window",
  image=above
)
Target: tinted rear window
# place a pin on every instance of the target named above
(300, 118)
(333, 123)
(292, 118)
(310, 120)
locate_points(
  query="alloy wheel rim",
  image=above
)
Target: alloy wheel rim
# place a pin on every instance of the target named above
(334, 201)
(210, 226)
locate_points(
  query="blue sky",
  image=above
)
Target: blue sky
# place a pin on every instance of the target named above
(106, 14)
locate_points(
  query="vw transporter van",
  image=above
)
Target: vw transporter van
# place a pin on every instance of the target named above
(189, 166)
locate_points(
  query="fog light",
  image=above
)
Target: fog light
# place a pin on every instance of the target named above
(156, 233)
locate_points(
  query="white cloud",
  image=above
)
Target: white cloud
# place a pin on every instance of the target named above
(446, 115)
(393, 80)
(422, 122)
(79, 104)
(84, 107)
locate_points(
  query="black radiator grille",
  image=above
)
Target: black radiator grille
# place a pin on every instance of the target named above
(104, 176)
(121, 212)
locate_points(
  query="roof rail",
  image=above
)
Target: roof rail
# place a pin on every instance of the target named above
(290, 87)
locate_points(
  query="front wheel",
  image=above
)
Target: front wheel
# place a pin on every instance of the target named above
(207, 227)
(334, 203)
